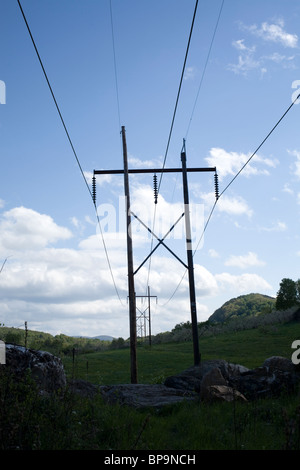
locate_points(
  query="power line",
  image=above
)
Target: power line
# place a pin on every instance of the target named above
(71, 143)
(205, 67)
(229, 184)
(179, 90)
(53, 96)
(115, 61)
(172, 125)
(271, 131)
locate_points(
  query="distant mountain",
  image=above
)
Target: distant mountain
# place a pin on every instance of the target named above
(243, 306)
(103, 338)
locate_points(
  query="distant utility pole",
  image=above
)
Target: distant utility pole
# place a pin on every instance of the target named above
(132, 297)
(144, 317)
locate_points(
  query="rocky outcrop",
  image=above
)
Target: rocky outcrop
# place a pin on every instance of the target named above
(214, 380)
(210, 381)
(145, 396)
(218, 379)
(275, 376)
(192, 378)
(46, 370)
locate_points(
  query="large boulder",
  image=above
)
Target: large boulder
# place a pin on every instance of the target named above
(46, 369)
(191, 379)
(144, 396)
(277, 374)
(211, 379)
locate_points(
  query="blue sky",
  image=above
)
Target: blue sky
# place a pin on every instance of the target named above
(56, 274)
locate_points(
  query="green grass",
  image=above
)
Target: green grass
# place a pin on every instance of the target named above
(31, 421)
(249, 348)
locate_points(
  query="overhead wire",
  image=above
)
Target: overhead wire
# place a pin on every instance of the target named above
(230, 183)
(115, 61)
(71, 144)
(178, 93)
(172, 125)
(205, 67)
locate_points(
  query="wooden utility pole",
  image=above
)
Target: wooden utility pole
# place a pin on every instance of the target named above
(149, 315)
(188, 236)
(131, 290)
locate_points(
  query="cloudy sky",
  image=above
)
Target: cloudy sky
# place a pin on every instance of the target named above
(118, 63)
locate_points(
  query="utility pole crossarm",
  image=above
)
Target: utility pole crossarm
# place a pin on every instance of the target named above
(154, 170)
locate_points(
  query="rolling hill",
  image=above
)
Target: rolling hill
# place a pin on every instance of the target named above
(243, 306)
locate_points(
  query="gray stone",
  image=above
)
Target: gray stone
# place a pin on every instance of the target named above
(279, 363)
(191, 378)
(144, 396)
(83, 388)
(46, 369)
(222, 393)
(277, 375)
(211, 378)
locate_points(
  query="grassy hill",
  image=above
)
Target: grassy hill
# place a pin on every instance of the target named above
(243, 306)
(247, 347)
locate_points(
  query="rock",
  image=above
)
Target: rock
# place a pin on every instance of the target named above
(222, 393)
(46, 369)
(144, 396)
(191, 378)
(277, 374)
(83, 388)
(266, 381)
(279, 363)
(211, 378)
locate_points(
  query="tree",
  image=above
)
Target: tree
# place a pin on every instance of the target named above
(298, 291)
(287, 294)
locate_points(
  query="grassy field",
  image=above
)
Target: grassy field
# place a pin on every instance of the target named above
(31, 421)
(249, 348)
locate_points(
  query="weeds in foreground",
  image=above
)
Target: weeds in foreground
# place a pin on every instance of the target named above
(65, 421)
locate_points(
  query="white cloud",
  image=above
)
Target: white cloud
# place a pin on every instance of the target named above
(249, 59)
(246, 59)
(70, 290)
(296, 166)
(244, 261)
(245, 283)
(275, 33)
(276, 227)
(138, 163)
(22, 228)
(287, 189)
(229, 163)
(213, 253)
(232, 205)
(239, 44)
(189, 73)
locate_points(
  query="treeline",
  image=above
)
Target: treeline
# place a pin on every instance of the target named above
(58, 344)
